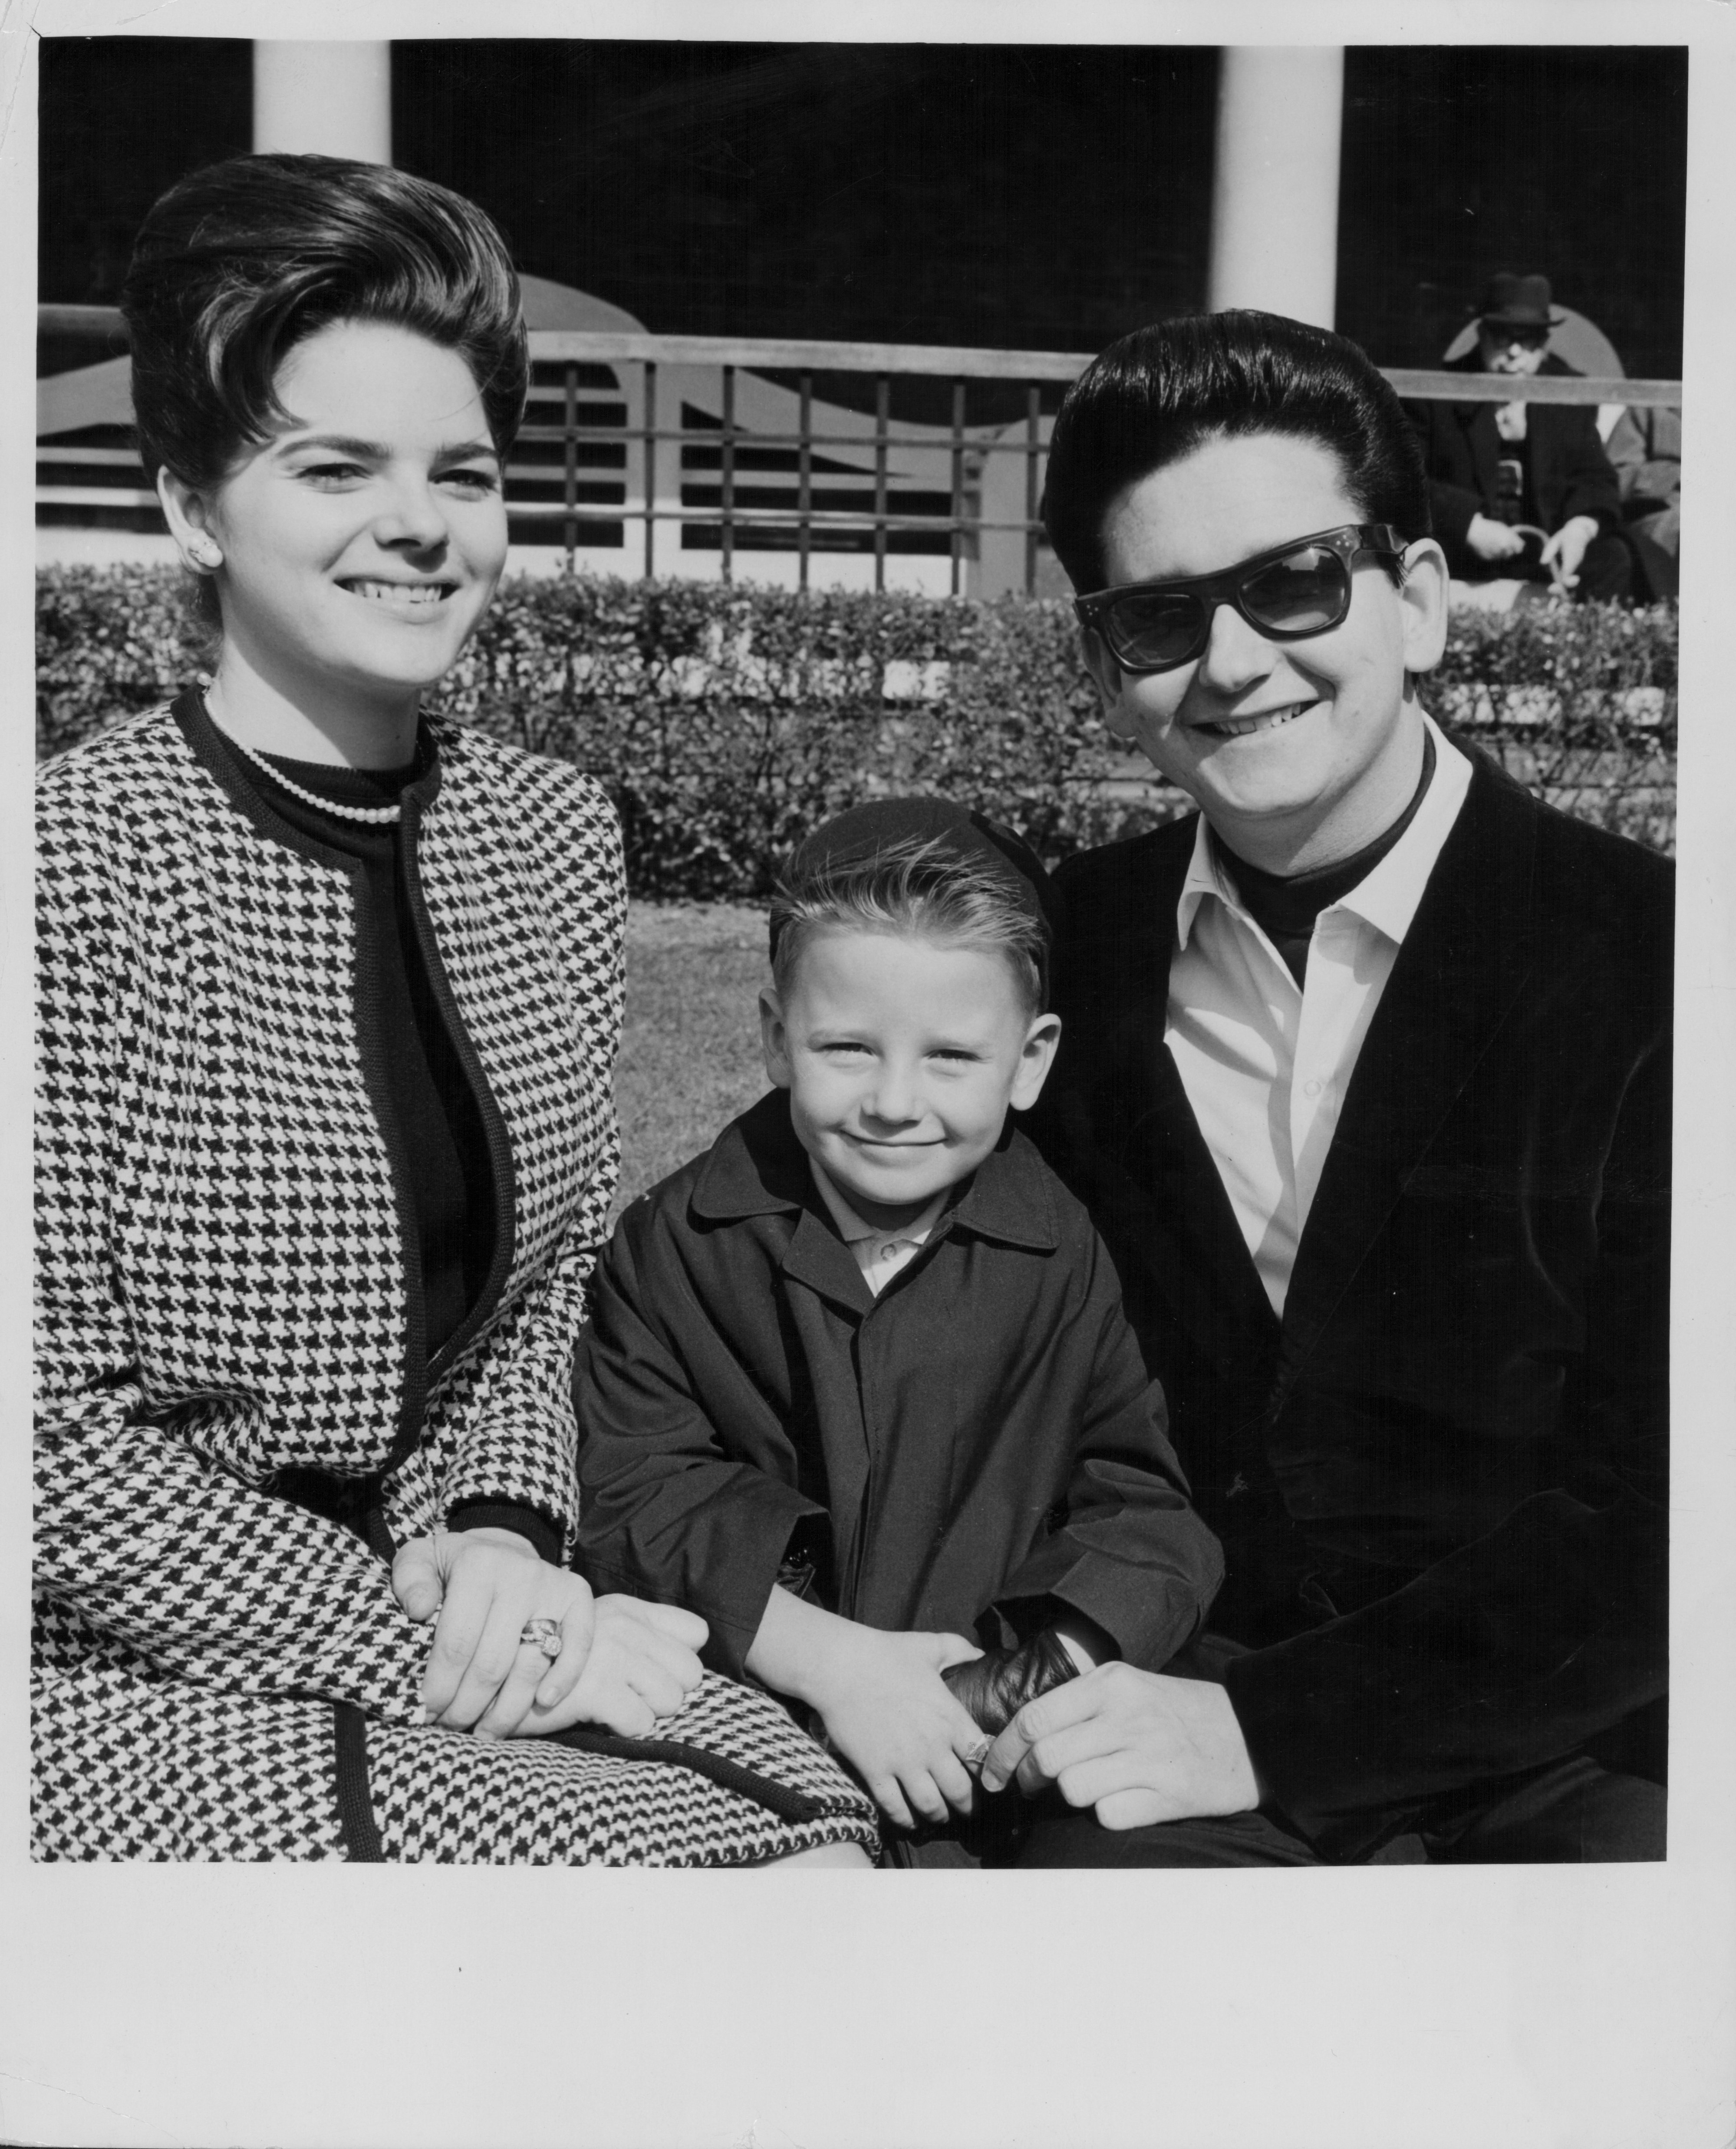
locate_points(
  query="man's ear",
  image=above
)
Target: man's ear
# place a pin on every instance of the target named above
(1423, 596)
(1105, 675)
(774, 1040)
(1035, 1059)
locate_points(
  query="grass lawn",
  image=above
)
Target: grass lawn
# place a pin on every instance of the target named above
(690, 1057)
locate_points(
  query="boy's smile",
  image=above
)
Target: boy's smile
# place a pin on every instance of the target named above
(901, 1056)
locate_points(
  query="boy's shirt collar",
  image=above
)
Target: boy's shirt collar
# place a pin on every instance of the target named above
(880, 1253)
(757, 1168)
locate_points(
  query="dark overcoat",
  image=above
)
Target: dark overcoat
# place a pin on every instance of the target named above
(977, 1446)
(1440, 1478)
(1461, 453)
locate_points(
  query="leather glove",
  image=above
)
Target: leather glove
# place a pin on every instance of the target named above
(995, 1686)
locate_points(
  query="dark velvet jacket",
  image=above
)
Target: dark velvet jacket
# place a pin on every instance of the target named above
(976, 1446)
(1461, 450)
(1440, 1480)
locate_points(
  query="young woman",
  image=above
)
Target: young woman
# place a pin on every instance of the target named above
(330, 996)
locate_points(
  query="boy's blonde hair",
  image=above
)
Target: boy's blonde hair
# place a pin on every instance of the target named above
(918, 885)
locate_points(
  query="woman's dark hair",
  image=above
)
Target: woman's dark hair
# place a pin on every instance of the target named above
(239, 262)
(1163, 391)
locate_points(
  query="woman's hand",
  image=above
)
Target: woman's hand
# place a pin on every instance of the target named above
(481, 1586)
(642, 1665)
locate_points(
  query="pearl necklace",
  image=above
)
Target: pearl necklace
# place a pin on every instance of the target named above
(372, 816)
(375, 816)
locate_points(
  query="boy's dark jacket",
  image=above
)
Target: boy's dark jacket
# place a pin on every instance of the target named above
(984, 1435)
(1441, 1479)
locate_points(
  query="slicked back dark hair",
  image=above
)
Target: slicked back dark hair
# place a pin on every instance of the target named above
(1160, 393)
(239, 262)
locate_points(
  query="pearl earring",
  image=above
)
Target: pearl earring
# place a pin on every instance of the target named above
(205, 553)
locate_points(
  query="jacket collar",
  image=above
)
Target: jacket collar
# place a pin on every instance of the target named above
(1388, 896)
(1464, 961)
(757, 1168)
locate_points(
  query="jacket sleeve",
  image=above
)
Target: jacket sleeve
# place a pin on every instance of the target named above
(1548, 1634)
(1131, 1554)
(516, 1464)
(1451, 510)
(1587, 478)
(667, 1513)
(212, 1579)
(1452, 505)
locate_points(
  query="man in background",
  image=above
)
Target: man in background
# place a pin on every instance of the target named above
(1522, 490)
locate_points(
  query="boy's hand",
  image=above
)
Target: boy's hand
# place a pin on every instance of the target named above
(889, 1713)
(642, 1666)
(480, 1587)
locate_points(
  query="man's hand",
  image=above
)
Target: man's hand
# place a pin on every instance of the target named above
(643, 1664)
(1563, 553)
(1135, 1745)
(1493, 541)
(481, 1586)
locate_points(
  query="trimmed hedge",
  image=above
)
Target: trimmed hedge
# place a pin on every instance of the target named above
(725, 720)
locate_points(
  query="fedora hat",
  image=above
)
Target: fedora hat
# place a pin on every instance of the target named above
(1519, 302)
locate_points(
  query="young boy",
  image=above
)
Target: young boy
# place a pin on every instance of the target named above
(857, 1387)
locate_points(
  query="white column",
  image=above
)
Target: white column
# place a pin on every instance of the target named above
(1275, 195)
(332, 99)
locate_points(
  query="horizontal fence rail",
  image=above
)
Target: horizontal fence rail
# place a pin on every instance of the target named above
(644, 451)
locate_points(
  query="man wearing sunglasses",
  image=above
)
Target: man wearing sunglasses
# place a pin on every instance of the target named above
(1364, 1074)
(1500, 473)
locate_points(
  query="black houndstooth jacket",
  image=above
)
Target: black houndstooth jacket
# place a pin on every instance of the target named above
(223, 1294)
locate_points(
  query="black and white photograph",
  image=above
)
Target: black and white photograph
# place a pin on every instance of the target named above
(862, 864)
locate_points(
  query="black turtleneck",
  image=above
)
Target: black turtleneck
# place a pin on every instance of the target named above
(438, 1118)
(1285, 907)
(435, 1130)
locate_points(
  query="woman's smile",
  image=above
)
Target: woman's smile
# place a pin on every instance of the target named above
(413, 599)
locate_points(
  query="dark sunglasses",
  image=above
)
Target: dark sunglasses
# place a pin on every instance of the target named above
(1288, 593)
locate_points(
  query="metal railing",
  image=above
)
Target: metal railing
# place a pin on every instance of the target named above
(796, 473)
(670, 453)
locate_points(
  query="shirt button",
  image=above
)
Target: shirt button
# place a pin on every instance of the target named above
(1311, 1089)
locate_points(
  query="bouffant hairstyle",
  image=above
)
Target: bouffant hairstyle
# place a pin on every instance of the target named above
(1158, 395)
(239, 262)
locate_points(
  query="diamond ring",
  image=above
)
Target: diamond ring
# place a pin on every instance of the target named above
(543, 1634)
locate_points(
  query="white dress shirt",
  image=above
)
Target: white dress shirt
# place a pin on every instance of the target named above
(1266, 1062)
(879, 1254)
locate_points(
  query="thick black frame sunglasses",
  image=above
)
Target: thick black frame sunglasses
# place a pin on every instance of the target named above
(1288, 593)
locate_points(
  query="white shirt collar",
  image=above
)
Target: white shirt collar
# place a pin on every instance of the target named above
(853, 1231)
(1388, 897)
